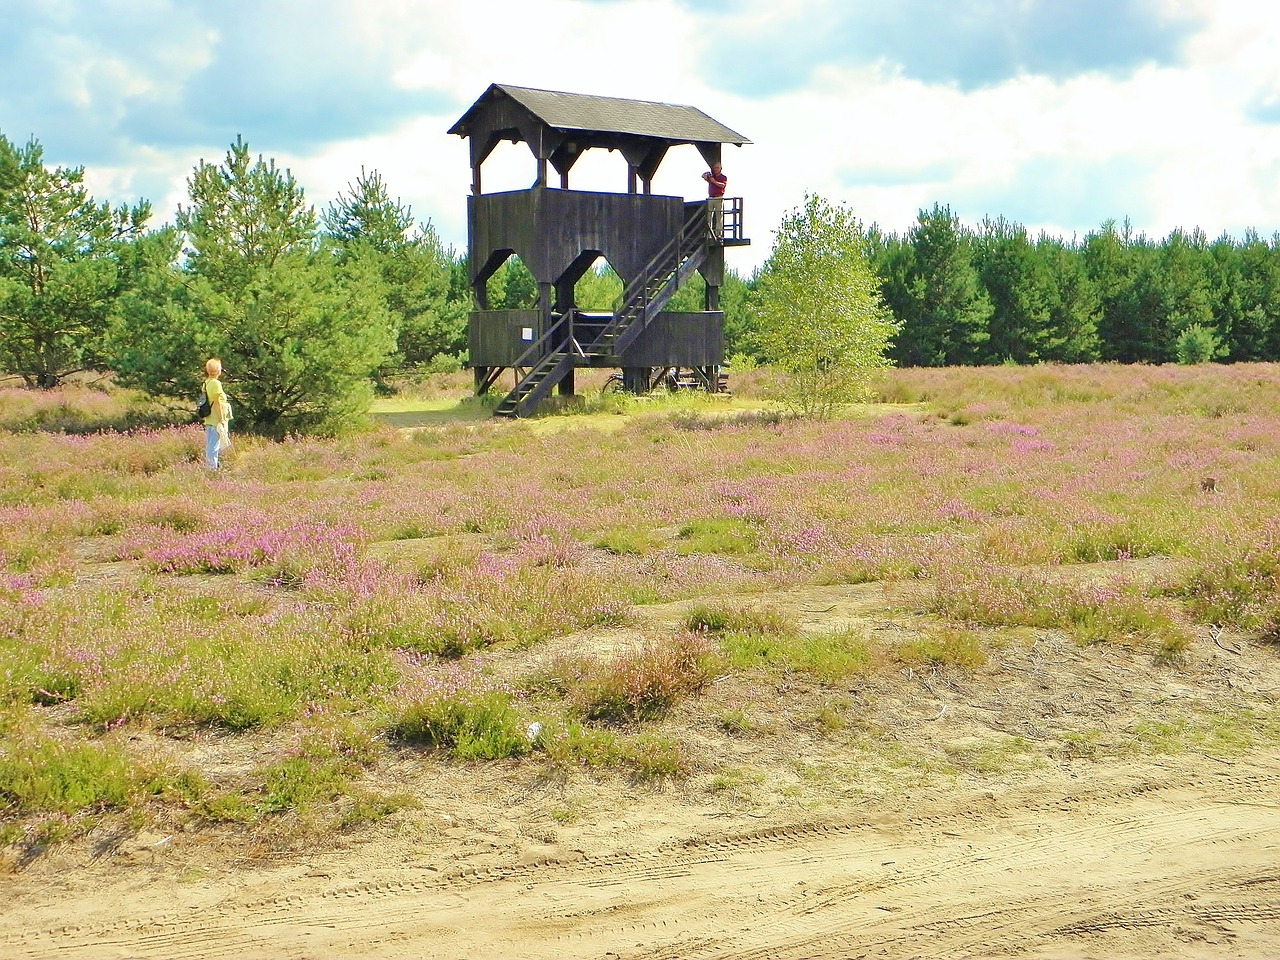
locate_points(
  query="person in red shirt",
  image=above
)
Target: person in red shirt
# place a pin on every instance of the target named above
(716, 182)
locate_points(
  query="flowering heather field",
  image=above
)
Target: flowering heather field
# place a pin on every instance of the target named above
(339, 604)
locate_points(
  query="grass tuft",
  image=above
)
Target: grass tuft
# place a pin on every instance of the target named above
(718, 535)
(719, 618)
(639, 685)
(469, 725)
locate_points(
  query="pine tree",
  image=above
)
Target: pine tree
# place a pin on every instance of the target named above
(60, 266)
(949, 311)
(367, 223)
(299, 333)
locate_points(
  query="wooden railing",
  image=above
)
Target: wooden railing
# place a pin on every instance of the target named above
(731, 228)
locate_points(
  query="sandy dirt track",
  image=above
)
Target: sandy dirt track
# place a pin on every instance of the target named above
(1179, 858)
(1174, 853)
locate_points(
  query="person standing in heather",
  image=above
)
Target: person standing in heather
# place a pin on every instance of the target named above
(215, 424)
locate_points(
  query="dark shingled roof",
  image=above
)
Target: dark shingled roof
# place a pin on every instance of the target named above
(579, 111)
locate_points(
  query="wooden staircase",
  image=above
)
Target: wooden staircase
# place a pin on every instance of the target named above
(556, 352)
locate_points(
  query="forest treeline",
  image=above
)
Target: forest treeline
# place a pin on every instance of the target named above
(993, 293)
(309, 308)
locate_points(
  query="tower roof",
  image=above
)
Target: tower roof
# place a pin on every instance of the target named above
(603, 116)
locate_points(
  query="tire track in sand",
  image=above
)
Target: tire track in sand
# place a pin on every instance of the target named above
(1199, 851)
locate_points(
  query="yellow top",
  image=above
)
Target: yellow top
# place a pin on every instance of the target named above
(217, 402)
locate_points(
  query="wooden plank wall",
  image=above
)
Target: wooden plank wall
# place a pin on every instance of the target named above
(549, 228)
(495, 336)
(679, 340)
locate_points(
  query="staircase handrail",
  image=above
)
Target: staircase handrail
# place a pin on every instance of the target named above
(675, 250)
(670, 252)
(533, 350)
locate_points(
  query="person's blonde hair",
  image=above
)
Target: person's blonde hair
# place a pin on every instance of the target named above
(213, 367)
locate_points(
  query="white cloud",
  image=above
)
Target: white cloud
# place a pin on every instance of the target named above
(1182, 143)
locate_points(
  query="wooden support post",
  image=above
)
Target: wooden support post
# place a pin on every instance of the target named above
(545, 293)
(635, 379)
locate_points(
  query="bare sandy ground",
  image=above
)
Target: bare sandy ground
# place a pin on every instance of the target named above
(1172, 860)
(1168, 854)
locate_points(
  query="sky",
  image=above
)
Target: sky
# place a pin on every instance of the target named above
(1055, 114)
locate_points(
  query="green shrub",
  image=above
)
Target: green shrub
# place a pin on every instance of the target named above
(1093, 613)
(749, 651)
(656, 758)
(470, 725)
(956, 648)
(646, 756)
(45, 776)
(995, 757)
(1239, 590)
(299, 782)
(466, 610)
(829, 657)
(572, 744)
(719, 618)
(735, 721)
(1123, 541)
(259, 671)
(720, 535)
(834, 656)
(627, 540)
(832, 716)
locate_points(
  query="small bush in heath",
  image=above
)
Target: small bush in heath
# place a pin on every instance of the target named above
(943, 647)
(572, 744)
(735, 721)
(320, 778)
(283, 555)
(78, 409)
(487, 604)
(1115, 612)
(832, 715)
(834, 656)
(653, 757)
(455, 709)
(1238, 585)
(40, 775)
(296, 783)
(830, 657)
(994, 758)
(628, 540)
(724, 535)
(161, 655)
(645, 683)
(646, 756)
(719, 618)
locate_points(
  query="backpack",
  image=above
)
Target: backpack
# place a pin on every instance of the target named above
(204, 407)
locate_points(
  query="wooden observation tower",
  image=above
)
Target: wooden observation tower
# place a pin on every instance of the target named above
(655, 243)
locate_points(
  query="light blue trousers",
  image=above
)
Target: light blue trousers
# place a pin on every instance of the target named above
(211, 447)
